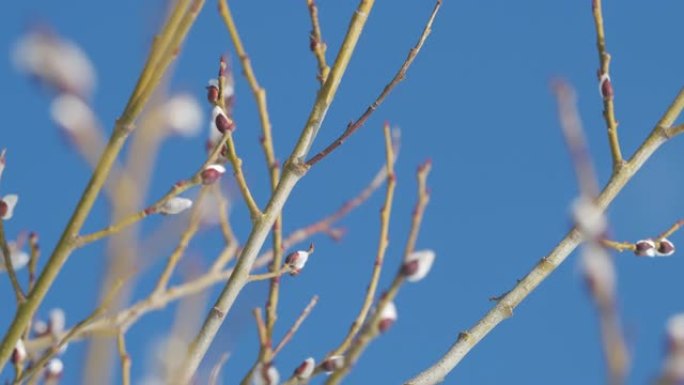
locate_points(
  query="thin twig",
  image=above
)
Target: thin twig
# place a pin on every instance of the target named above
(598, 267)
(507, 303)
(122, 129)
(382, 247)
(216, 370)
(269, 153)
(184, 241)
(398, 77)
(9, 266)
(293, 329)
(371, 331)
(70, 335)
(125, 359)
(174, 191)
(606, 87)
(316, 43)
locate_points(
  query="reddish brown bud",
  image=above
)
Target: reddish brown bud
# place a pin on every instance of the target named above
(645, 248)
(212, 94)
(665, 248)
(3, 208)
(212, 173)
(605, 86)
(409, 268)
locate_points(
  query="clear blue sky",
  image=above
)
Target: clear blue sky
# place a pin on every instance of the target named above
(477, 102)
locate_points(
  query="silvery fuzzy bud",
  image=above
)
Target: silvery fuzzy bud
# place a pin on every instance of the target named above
(417, 265)
(183, 115)
(7, 204)
(297, 260)
(388, 315)
(54, 370)
(265, 375)
(645, 248)
(19, 353)
(212, 173)
(175, 205)
(72, 114)
(18, 257)
(305, 369)
(40, 328)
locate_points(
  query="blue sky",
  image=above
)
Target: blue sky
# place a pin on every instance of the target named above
(477, 102)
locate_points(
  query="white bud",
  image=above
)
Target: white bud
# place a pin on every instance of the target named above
(7, 205)
(388, 315)
(19, 354)
(40, 327)
(3, 161)
(297, 260)
(183, 115)
(72, 114)
(418, 264)
(54, 369)
(56, 321)
(588, 217)
(175, 205)
(305, 369)
(333, 363)
(56, 61)
(18, 257)
(265, 375)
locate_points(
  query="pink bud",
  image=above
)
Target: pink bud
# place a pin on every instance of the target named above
(175, 205)
(305, 369)
(645, 248)
(297, 260)
(7, 205)
(417, 265)
(212, 173)
(665, 248)
(19, 354)
(388, 315)
(333, 363)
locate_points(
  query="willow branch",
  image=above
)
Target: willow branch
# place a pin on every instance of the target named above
(606, 87)
(173, 34)
(379, 259)
(398, 77)
(508, 302)
(316, 43)
(177, 189)
(125, 359)
(293, 172)
(293, 329)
